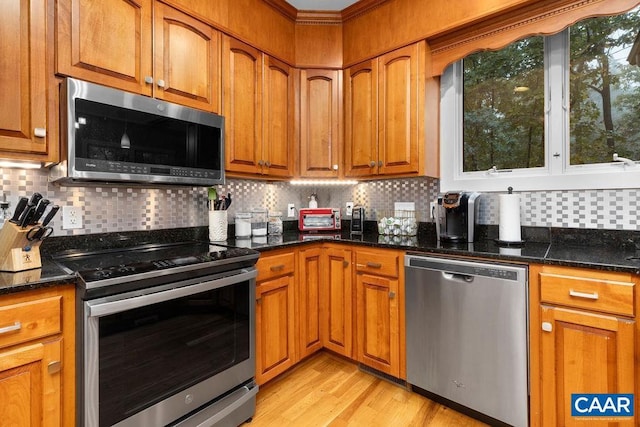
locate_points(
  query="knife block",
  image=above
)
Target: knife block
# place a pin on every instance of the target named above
(16, 252)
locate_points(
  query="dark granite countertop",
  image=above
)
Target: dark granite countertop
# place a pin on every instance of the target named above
(603, 250)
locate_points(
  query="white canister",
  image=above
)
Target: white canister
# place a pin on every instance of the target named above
(243, 225)
(218, 226)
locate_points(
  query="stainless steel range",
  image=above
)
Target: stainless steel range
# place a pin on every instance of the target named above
(165, 335)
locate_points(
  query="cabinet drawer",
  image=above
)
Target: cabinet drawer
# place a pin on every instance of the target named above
(30, 320)
(275, 265)
(597, 294)
(380, 263)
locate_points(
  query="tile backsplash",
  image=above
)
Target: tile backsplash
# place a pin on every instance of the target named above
(123, 208)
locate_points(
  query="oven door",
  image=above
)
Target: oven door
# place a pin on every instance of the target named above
(155, 355)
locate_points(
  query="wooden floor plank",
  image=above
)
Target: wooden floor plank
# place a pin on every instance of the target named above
(326, 390)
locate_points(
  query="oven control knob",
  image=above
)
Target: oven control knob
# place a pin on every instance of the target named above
(188, 399)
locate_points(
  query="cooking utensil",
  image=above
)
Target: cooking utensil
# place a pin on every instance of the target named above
(27, 216)
(39, 233)
(22, 204)
(39, 211)
(52, 212)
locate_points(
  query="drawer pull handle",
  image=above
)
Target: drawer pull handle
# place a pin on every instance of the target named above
(277, 267)
(586, 295)
(374, 264)
(15, 327)
(54, 367)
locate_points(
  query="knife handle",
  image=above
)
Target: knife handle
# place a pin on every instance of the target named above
(27, 216)
(42, 206)
(52, 212)
(35, 198)
(22, 203)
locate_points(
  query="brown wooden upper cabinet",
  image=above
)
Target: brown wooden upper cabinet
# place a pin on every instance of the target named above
(259, 108)
(384, 114)
(110, 42)
(23, 110)
(320, 123)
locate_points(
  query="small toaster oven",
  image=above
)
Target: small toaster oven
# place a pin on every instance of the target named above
(319, 219)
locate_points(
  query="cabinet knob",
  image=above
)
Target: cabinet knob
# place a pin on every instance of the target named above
(148, 79)
(335, 167)
(345, 263)
(40, 132)
(267, 163)
(260, 162)
(392, 295)
(547, 326)
(372, 164)
(161, 83)
(54, 367)
(380, 163)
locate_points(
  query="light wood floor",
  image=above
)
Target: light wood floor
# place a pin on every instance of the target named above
(326, 390)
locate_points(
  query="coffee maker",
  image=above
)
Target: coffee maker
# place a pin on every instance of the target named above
(455, 214)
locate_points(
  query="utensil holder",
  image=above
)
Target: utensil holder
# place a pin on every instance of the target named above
(218, 223)
(17, 253)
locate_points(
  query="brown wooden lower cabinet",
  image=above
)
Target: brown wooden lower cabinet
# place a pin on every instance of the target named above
(337, 300)
(310, 276)
(37, 358)
(275, 315)
(585, 342)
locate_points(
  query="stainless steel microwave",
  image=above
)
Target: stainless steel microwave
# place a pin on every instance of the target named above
(109, 135)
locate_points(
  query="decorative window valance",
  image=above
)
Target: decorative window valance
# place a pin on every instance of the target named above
(537, 18)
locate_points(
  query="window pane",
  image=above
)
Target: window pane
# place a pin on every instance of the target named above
(604, 89)
(504, 107)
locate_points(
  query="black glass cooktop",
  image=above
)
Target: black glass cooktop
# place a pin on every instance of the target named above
(115, 263)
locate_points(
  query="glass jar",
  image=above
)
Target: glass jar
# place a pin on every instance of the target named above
(259, 222)
(274, 225)
(243, 225)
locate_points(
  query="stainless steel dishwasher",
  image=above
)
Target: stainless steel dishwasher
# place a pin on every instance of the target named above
(467, 334)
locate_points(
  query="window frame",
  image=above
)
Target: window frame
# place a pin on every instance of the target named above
(557, 173)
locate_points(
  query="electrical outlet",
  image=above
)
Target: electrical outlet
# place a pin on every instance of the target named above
(291, 210)
(71, 217)
(349, 209)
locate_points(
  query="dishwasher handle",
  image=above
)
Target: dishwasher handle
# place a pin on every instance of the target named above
(457, 277)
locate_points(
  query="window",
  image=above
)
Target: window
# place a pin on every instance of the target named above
(546, 112)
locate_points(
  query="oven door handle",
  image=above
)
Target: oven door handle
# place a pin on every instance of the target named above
(105, 308)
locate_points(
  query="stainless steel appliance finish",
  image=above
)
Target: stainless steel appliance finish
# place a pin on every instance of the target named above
(114, 136)
(357, 220)
(467, 338)
(166, 335)
(455, 216)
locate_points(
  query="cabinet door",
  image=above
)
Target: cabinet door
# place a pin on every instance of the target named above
(24, 78)
(30, 388)
(361, 119)
(242, 77)
(279, 112)
(275, 345)
(337, 302)
(401, 110)
(186, 53)
(106, 42)
(320, 140)
(378, 323)
(583, 353)
(310, 278)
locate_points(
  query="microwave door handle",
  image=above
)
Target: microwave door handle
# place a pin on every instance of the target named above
(99, 309)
